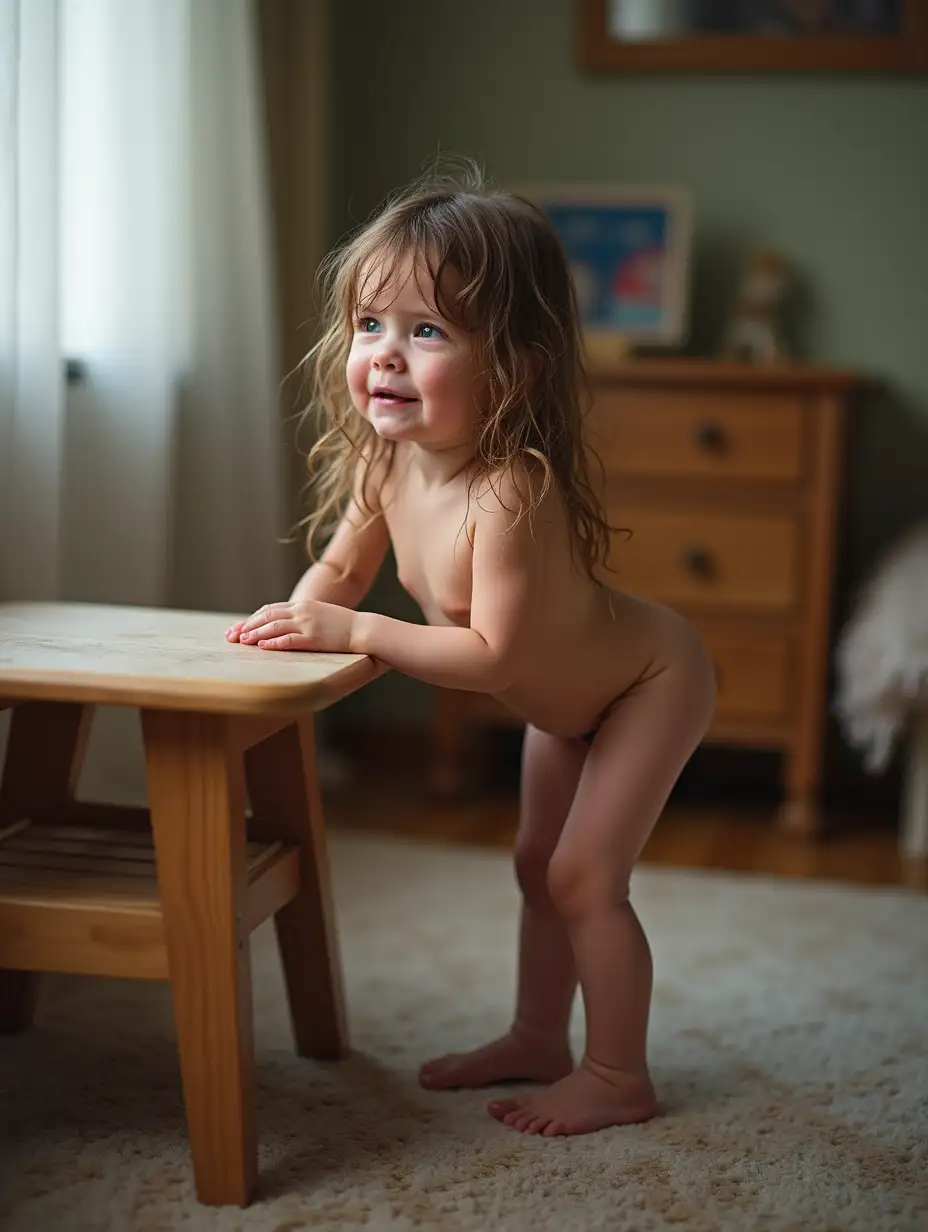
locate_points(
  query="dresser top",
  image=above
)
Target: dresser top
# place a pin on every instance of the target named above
(721, 374)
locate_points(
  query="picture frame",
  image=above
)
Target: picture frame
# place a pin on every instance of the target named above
(629, 252)
(791, 36)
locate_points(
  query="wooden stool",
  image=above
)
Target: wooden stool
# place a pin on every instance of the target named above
(172, 892)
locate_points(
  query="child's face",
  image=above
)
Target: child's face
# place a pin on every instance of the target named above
(412, 373)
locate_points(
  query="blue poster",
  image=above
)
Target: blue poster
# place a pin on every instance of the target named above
(618, 259)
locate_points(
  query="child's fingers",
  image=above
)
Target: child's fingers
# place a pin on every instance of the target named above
(287, 641)
(264, 615)
(268, 629)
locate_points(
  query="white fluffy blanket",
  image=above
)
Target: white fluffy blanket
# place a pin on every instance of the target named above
(882, 653)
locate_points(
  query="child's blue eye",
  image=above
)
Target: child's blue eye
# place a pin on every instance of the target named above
(432, 333)
(368, 325)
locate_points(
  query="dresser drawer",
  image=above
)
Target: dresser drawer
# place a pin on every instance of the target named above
(753, 672)
(698, 434)
(707, 560)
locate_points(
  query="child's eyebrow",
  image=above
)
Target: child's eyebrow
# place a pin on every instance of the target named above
(424, 310)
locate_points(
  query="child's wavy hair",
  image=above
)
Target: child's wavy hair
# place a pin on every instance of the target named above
(514, 295)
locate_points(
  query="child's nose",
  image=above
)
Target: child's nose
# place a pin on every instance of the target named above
(388, 357)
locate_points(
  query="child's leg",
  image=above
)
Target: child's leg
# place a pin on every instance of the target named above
(635, 759)
(535, 1047)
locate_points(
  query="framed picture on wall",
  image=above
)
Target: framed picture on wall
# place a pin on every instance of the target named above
(629, 254)
(634, 36)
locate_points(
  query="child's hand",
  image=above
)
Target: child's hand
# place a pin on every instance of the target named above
(233, 632)
(304, 625)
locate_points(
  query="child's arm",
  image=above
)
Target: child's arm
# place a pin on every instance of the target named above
(347, 568)
(483, 657)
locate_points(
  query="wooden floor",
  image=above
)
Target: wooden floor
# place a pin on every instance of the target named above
(720, 837)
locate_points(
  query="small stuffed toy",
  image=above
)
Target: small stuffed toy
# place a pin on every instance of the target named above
(754, 331)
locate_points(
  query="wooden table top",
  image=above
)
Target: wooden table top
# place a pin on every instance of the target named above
(164, 659)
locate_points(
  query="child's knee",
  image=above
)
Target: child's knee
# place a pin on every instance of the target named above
(531, 860)
(579, 881)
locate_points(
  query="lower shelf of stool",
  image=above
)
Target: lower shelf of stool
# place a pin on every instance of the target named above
(84, 899)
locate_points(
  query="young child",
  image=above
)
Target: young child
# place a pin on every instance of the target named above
(449, 381)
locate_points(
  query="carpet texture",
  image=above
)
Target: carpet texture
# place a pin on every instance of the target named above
(788, 1047)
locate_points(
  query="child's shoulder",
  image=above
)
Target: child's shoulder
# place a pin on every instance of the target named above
(518, 488)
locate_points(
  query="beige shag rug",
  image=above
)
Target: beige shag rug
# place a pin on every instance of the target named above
(788, 1044)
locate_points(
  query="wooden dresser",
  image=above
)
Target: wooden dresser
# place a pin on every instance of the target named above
(728, 477)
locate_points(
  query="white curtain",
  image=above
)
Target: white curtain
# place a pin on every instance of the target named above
(231, 497)
(32, 402)
(135, 240)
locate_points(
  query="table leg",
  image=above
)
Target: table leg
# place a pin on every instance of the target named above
(450, 736)
(285, 799)
(801, 810)
(197, 803)
(44, 756)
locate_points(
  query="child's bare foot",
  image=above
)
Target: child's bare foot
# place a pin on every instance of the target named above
(581, 1103)
(511, 1058)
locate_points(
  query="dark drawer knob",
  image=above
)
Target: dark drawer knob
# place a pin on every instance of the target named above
(697, 561)
(710, 436)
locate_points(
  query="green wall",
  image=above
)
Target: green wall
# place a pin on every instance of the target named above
(832, 170)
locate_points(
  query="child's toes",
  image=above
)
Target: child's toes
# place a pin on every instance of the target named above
(515, 1115)
(431, 1073)
(501, 1108)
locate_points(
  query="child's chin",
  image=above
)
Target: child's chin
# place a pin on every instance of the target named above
(394, 429)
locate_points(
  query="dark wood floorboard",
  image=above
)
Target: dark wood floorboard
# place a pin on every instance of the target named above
(732, 837)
